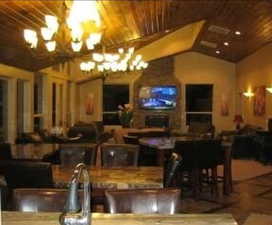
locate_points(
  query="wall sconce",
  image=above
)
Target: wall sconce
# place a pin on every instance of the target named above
(269, 90)
(248, 94)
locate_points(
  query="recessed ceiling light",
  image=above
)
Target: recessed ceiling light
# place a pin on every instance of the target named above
(166, 31)
(226, 43)
(217, 52)
(237, 32)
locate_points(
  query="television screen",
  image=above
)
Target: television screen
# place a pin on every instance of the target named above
(158, 97)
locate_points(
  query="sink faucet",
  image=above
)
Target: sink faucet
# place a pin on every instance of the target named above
(72, 214)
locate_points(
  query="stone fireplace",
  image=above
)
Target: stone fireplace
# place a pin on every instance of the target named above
(159, 72)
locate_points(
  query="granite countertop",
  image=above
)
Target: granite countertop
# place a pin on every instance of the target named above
(120, 178)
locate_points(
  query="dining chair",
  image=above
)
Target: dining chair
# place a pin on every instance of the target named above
(27, 174)
(119, 155)
(200, 156)
(171, 169)
(208, 156)
(4, 195)
(141, 201)
(5, 151)
(128, 139)
(39, 199)
(73, 154)
(188, 168)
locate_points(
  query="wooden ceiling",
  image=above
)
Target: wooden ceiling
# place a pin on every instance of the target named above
(137, 23)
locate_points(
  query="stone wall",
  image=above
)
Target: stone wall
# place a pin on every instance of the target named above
(159, 72)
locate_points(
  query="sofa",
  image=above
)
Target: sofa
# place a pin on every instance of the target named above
(80, 132)
(250, 142)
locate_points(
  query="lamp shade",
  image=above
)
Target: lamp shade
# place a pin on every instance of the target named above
(238, 119)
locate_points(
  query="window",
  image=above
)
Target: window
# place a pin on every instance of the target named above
(38, 94)
(20, 106)
(113, 95)
(38, 102)
(3, 110)
(199, 103)
(54, 104)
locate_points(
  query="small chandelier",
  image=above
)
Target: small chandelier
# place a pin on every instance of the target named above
(80, 13)
(114, 62)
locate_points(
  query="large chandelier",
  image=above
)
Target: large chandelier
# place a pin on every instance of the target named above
(83, 21)
(124, 60)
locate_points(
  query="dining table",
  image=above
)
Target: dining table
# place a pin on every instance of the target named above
(120, 132)
(165, 145)
(38, 218)
(116, 178)
(162, 145)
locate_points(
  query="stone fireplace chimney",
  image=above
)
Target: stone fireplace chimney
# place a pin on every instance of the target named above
(159, 72)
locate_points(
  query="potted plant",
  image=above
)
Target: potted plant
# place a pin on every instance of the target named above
(125, 115)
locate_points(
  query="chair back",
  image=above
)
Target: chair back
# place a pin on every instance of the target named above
(133, 140)
(39, 200)
(73, 154)
(171, 169)
(143, 201)
(5, 151)
(187, 151)
(27, 174)
(119, 155)
(208, 153)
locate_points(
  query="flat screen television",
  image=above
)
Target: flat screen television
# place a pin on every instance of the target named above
(158, 97)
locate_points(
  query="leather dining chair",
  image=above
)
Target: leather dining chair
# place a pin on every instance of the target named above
(72, 154)
(134, 140)
(188, 168)
(171, 170)
(27, 174)
(119, 155)
(139, 201)
(208, 156)
(5, 151)
(39, 200)
(199, 156)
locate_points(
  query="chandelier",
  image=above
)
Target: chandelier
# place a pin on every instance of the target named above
(83, 22)
(114, 62)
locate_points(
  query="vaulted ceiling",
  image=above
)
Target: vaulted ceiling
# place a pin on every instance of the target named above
(138, 23)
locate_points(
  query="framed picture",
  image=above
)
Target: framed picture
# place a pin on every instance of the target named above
(259, 101)
(89, 104)
(224, 105)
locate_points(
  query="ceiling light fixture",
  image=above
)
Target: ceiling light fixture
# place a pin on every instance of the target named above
(226, 43)
(269, 90)
(248, 94)
(217, 52)
(114, 62)
(83, 21)
(237, 32)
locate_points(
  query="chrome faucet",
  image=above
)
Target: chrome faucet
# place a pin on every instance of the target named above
(73, 213)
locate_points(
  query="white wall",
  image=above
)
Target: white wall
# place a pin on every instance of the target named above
(94, 88)
(189, 68)
(255, 71)
(196, 68)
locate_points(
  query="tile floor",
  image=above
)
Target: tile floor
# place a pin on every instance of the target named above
(250, 196)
